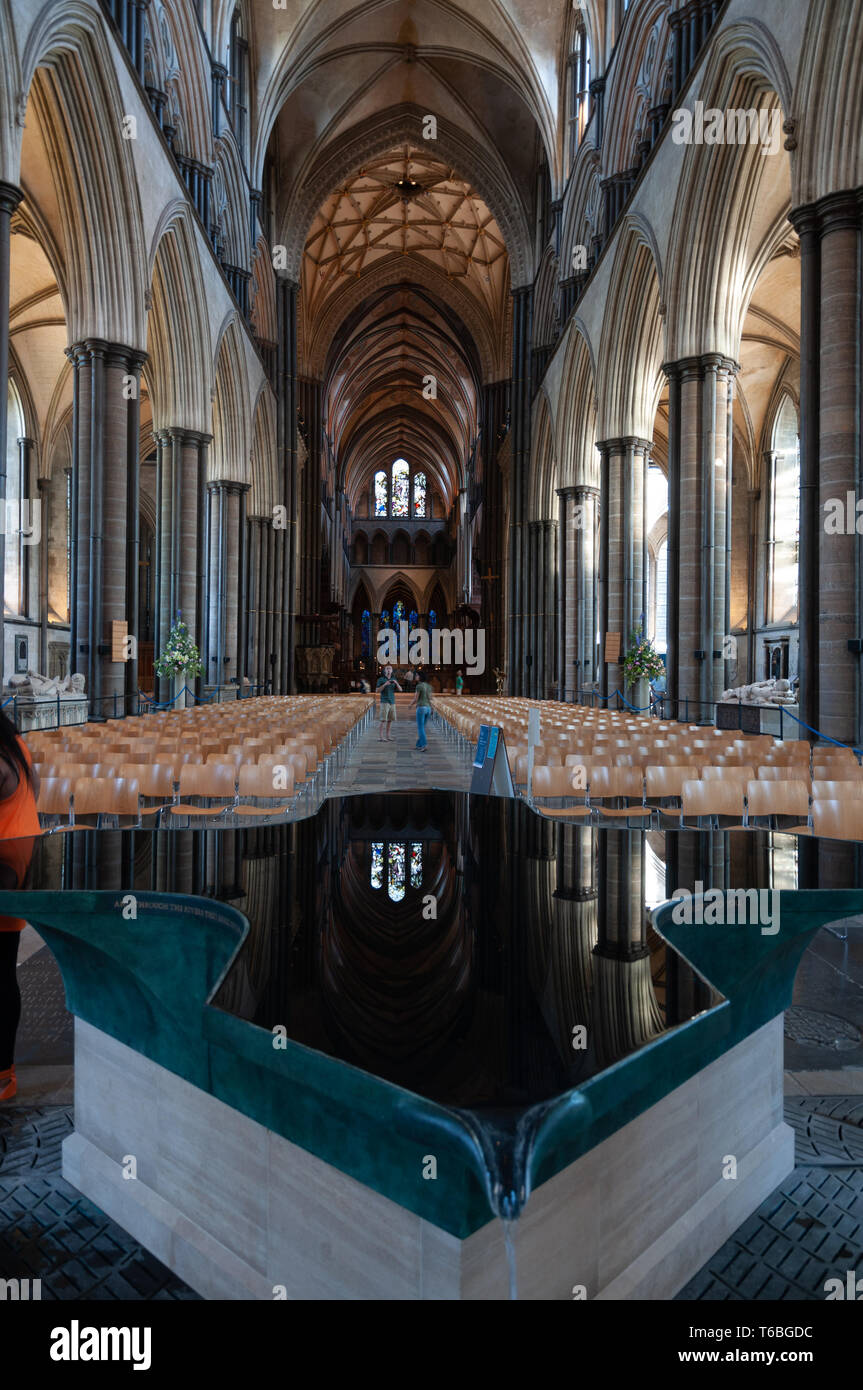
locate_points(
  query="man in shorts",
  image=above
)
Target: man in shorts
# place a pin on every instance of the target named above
(387, 687)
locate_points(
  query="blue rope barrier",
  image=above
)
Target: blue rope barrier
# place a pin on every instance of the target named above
(636, 709)
(825, 737)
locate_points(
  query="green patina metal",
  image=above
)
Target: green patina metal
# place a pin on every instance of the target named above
(148, 981)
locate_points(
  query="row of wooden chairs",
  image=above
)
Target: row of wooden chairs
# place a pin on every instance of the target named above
(662, 797)
(249, 760)
(203, 790)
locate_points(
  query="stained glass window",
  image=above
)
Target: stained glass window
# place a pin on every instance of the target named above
(414, 618)
(416, 866)
(401, 488)
(380, 494)
(366, 630)
(398, 611)
(432, 618)
(377, 875)
(385, 618)
(419, 494)
(396, 887)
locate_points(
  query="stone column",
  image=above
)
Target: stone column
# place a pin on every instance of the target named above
(622, 546)
(287, 301)
(519, 465)
(105, 386)
(26, 522)
(217, 560)
(698, 474)
(529, 638)
(231, 583)
(552, 657)
(44, 485)
(831, 565)
(242, 585)
(585, 535)
(10, 197)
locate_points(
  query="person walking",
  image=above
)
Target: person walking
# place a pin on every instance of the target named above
(19, 826)
(387, 686)
(459, 683)
(423, 707)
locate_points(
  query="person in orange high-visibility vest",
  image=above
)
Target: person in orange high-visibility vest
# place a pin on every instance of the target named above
(19, 826)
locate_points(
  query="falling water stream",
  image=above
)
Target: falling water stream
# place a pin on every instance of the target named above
(508, 1222)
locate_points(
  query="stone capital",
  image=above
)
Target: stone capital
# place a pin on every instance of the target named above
(10, 196)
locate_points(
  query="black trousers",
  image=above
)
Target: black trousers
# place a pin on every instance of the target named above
(10, 996)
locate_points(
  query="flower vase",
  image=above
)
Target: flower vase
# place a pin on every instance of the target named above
(179, 691)
(639, 695)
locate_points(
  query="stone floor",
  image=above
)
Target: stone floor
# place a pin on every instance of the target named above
(397, 765)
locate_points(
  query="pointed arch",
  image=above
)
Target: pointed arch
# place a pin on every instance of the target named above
(230, 206)
(742, 194)
(178, 372)
(630, 351)
(576, 415)
(191, 78)
(68, 70)
(264, 468)
(386, 131)
(543, 463)
(830, 93)
(230, 453)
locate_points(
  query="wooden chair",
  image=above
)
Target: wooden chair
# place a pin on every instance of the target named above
(838, 790)
(664, 786)
(838, 820)
(256, 786)
(55, 801)
(214, 784)
(106, 800)
(623, 787)
(781, 805)
(557, 785)
(719, 802)
(728, 774)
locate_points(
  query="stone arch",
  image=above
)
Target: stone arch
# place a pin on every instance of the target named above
(578, 461)
(375, 137)
(630, 351)
(230, 453)
(230, 214)
(493, 355)
(67, 68)
(11, 87)
(583, 211)
(262, 498)
(262, 296)
(637, 81)
(829, 98)
(543, 464)
(546, 326)
(178, 371)
(189, 76)
(723, 187)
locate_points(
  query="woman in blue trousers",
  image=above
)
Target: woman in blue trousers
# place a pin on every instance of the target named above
(422, 705)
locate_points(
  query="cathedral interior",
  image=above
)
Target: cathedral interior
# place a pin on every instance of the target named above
(531, 326)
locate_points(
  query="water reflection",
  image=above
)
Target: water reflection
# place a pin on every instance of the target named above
(461, 947)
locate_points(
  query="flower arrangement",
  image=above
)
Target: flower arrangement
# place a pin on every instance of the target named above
(180, 657)
(642, 661)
